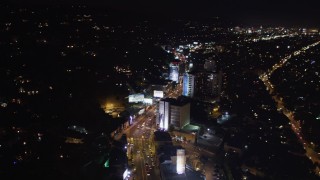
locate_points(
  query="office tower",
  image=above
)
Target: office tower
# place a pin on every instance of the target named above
(174, 72)
(208, 85)
(188, 85)
(173, 112)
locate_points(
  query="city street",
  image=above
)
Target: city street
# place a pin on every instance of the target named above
(141, 149)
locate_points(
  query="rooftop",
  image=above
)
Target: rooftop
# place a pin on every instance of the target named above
(191, 128)
(166, 151)
(162, 136)
(176, 102)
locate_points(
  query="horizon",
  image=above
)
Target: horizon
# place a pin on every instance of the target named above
(248, 13)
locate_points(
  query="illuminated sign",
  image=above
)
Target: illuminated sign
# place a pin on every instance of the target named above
(158, 94)
(181, 161)
(136, 98)
(147, 101)
(126, 174)
(141, 111)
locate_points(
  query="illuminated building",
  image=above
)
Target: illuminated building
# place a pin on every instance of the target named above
(135, 98)
(174, 72)
(188, 85)
(181, 161)
(205, 81)
(172, 164)
(173, 112)
(163, 115)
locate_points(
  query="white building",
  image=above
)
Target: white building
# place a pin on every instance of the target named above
(173, 112)
(188, 85)
(174, 72)
(181, 161)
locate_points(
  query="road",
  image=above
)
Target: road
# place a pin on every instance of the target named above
(295, 125)
(141, 150)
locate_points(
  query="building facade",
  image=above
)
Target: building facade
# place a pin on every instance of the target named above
(174, 72)
(173, 112)
(208, 85)
(188, 85)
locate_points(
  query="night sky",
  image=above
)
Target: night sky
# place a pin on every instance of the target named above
(274, 12)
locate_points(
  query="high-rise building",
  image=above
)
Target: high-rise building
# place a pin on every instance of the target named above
(173, 112)
(163, 115)
(174, 72)
(188, 85)
(206, 81)
(208, 85)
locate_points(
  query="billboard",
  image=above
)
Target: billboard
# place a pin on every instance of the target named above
(147, 101)
(136, 98)
(141, 111)
(158, 94)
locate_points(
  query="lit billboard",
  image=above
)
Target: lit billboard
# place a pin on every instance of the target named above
(141, 111)
(158, 94)
(136, 98)
(126, 174)
(147, 101)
